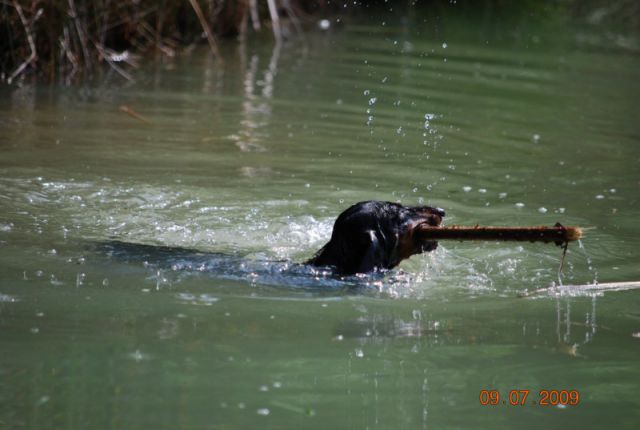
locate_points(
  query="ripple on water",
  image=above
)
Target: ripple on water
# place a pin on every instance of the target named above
(197, 299)
(259, 241)
(5, 298)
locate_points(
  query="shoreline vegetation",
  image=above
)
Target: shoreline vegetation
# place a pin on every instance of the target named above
(73, 40)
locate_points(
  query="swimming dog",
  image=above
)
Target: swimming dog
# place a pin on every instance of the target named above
(376, 236)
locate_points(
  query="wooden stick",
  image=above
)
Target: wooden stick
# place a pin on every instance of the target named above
(557, 234)
(28, 28)
(275, 21)
(207, 30)
(255, 16)
(126, 109)
(584, 288)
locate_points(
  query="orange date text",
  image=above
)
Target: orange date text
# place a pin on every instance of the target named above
(525, 397)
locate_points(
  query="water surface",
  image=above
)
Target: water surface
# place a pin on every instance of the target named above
(516, 121)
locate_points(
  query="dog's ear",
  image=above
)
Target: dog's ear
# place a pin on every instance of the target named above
(351, 252)
(371, 252)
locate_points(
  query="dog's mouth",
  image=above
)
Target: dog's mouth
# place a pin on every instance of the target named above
(432, 221)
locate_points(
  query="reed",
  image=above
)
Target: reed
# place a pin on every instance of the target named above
(75, 39)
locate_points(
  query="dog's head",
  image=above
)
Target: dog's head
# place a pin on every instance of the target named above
(376, 235)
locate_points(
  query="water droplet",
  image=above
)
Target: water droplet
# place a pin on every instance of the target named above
(35, 330)
(466, 188)
(519, 205)
(542, 210)
(324, 24)
(138, 356)
(536, 138)
(482, 190)
(373, 101)
(263, 411)
(359, 353)
(502, 195)
(366, 92)
(264, 388)
(444, 45)
(599, 197)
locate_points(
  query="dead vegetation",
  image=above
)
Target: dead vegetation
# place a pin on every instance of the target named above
(73, 39)
(70, 40)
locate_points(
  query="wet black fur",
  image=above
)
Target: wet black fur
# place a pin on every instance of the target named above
(366, 236)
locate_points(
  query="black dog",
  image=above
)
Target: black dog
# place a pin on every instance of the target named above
(375, 235)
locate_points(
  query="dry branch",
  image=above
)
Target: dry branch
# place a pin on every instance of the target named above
(206, 28)
(582, 289)
(28, 28)
(255, 16)
(275, 20)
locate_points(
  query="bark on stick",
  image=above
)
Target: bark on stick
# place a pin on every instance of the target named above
(557, 234)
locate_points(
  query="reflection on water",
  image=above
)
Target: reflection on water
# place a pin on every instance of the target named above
(565, 343)
(195, 311)
(256, 108)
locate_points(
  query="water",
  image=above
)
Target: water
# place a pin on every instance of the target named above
(245, 166)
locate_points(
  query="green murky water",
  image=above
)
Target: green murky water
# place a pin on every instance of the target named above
(514, 121)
